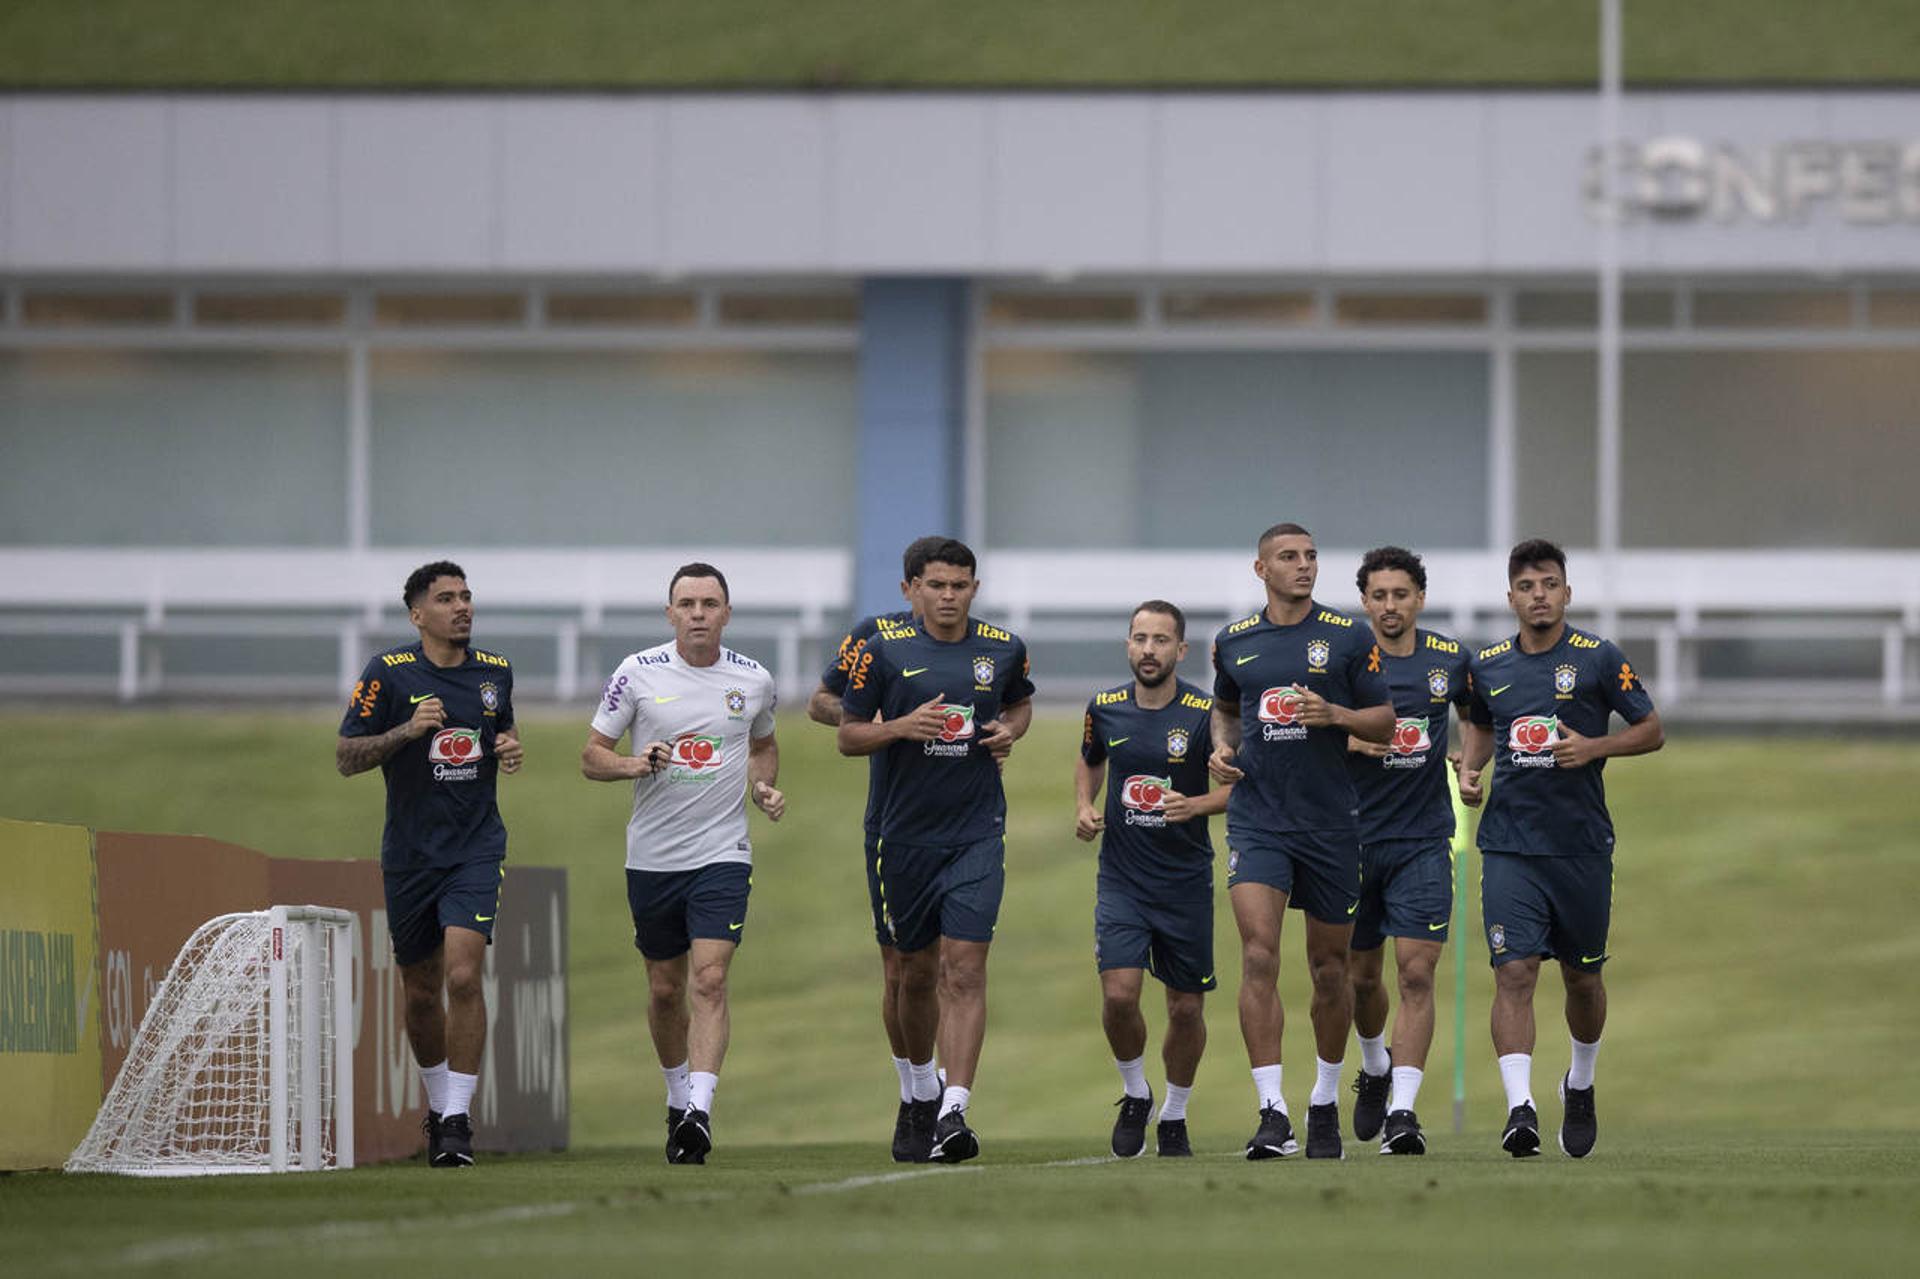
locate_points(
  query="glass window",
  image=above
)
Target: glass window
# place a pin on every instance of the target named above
(1063, 308)
(801, 309)
(1555, 451)
(1771, 309)
(298, 310)
(621, 310)
(91, 310)
(449, 310)
(1190, 306)
(1392, 308)
(1575, 309)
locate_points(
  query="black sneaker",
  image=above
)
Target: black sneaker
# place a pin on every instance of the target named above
(430, 1129)
(1578, 1126)
(1274, 1139)
(1130, 1129)
(692, 1138)
(924, 1117)
(905, 1147)
(1522, 1135)
(456, 1143)
(1402, 1135)
(953, 1141)
(674, 1115)
(1170, 1139)
(1370, 1104)
(1323, 1132)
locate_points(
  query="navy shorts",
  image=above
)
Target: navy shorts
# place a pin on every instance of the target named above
(1406, 890)
(422, 903)
(1319, 873)
(929, 893)
(1554, 907)
(1171, 940)
(874, 898)
(672, 907)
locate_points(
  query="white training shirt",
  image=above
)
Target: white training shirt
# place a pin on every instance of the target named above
(694, 813)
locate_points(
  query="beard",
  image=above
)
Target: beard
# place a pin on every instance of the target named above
(1155, 680)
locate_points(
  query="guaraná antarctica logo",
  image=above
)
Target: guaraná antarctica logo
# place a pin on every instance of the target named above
(956, 730)
(1145, 799)
(1531, 740)
(455, 755)
(697, 757)
(1410, 743)
(1280, 713)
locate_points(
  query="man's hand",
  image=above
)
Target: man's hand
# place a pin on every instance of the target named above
(1220, 765)
(1374, 750)
(1573, 750)
(1176, 807)
(654, 758)
(1315, 711)
(1471, 792)
(998, 739)
(506, 749)
(1088, 823)
(769, 801)
(925, 722)
(429, 716)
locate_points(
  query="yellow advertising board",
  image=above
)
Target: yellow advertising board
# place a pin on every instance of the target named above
(49, 1005)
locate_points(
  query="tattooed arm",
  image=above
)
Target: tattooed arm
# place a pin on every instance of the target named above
(357, 754)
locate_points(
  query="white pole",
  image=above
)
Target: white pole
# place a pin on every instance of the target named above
(312, 938)
(346, 955)
(1607, 493)
(277, 942)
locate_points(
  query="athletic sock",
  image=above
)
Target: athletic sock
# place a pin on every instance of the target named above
(1175, 1106)
(925, 1082)
(1373, 1054)
(434, 1080)
(1326, 1083)
(676, 1077)
(1133, 1074)
(1266, 1085)
(1406, 1087)
(1581, 1074)
(459, 1093)
(904, 1069)
(1516, 1075)
(955, 1098)
(700, 1086)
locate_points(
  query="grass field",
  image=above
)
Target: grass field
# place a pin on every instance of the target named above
(656, 44)
(1755, 1085)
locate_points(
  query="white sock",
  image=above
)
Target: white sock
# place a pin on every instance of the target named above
(700, 1086)
(1133, 1074)
(1373, 1054)
(434, 1079)
(1581, 1075)
(1175, 1106)
(1266, 1083)
(1406, 1087)
(1326, 1083)
(459, 1092)
(904, 1069)
(926, 1081)
(955, 1098)
(1516, 1074)
(676, 1077)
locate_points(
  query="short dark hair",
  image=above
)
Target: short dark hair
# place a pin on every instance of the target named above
(1286, 528)
(699, 569)
(1161, 606)
(948, 550)
(1535, 550)
(913, 561)
(1382, 558)
(420, 581)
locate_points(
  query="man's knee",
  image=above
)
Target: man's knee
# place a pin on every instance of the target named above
(709, 983)
(463, 979)
(1260, 959)
(1185, 1010)
(1416, 979)
(666, 985)
(1517, 979)
(1583, 985)
(963, 971)
(918, 973)
(421, 984)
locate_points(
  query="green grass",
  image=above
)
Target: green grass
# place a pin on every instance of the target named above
(1754, 1101)
(135, 44)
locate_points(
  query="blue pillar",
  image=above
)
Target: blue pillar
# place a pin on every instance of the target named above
(913, 336)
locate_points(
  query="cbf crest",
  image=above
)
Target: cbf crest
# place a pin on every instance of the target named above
(1563, 680)
(736, 702)
(1318, 651)
(983, 671)
(490, 698)
(1438, 684)
(1177, 741)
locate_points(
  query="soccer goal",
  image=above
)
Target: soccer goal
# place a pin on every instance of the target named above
(244, 1060)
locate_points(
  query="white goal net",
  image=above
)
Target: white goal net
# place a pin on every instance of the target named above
(244, 1060)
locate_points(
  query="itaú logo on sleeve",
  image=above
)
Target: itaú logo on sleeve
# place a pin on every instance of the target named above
(1280, 713)
(956, 730)
(1410, 743)
(1531, 740)
(455, 755)
(1145, 799)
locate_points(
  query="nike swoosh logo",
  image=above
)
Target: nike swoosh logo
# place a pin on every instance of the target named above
(1206, 979)
(1591, 959)
(1352, 908)
(415, 701)
(1434, 928)
(483, 919)
(915, 671)
(662, 701)
(1495, 692)
(1115, 741)
(1242, 661)
(734, 928)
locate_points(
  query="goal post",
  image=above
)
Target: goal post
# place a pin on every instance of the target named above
(244, 1059)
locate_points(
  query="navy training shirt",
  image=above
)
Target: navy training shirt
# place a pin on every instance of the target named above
(1296, 777)
(1403, 794)
(1535, 807)
(945, 792)
(834, 680)
(1148, 753)
(440, 788)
